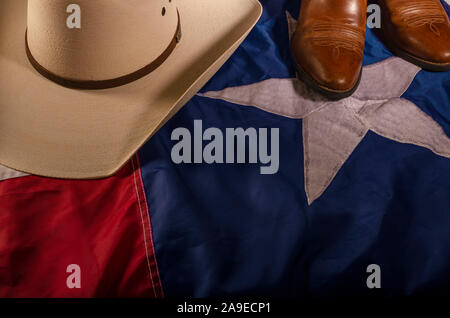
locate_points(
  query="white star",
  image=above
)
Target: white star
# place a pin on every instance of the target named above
(333, 129)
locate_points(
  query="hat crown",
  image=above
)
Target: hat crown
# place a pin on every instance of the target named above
(114, 38)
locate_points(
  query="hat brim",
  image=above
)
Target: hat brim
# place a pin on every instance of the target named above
(53, 131)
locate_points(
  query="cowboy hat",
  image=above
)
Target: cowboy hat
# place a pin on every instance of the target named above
(77, 102)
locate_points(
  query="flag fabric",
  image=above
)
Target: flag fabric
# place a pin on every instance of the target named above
(102, 226)
(360, 183)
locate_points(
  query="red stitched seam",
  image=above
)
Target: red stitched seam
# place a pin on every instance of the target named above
(149, 224)
(143, 225)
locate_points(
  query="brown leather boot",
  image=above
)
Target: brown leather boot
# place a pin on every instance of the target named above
(328, 45)
(418, 31)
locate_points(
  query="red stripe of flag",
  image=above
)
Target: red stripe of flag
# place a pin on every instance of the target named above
(102, 226)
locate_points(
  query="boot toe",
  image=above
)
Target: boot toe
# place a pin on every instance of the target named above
(336, 73)
(339, 81)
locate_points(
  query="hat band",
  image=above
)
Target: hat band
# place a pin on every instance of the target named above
(110, 83)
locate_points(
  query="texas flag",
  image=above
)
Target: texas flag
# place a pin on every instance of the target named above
(358, 186)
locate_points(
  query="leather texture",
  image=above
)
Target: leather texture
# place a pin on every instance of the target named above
(418, 30)
(328, 44)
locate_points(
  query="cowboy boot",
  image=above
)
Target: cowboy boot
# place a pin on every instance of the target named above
(328, 45)
(418, 31)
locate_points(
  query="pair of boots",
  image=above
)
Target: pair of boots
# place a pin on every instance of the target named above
(328, 45)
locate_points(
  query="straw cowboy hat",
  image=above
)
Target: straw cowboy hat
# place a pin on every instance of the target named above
(78, 102)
